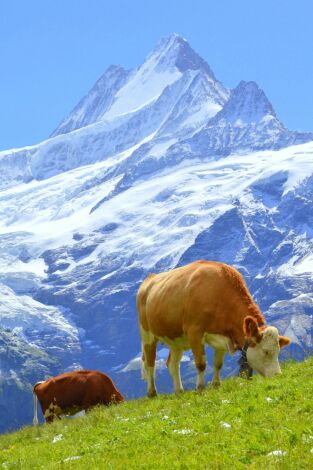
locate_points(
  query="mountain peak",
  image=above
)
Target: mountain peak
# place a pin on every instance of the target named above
(98, 100)
(246, 122)
(175, 51)
(247, 103)
(172, 42)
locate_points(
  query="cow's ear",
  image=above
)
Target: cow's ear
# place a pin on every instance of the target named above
(284, 341)
(251, 329)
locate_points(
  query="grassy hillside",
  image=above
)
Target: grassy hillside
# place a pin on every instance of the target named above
(241, 425)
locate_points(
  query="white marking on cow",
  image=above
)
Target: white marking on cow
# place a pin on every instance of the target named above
(219, 342)
(146, 336)
(52, 410)
(174, 368)
(47, 413)
(263, 357)
(177, 343)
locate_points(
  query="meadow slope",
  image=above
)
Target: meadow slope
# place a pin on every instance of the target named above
(243, 424)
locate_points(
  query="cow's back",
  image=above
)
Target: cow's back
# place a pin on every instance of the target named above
(211, 294)
(78, 388)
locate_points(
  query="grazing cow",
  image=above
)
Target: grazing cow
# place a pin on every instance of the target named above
(72, 392)
(203, 302)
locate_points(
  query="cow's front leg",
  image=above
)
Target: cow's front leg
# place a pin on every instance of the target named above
(218, 364)
(173, 364)
(197, 347)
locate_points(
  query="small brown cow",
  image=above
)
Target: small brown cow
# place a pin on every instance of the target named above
(203, 302)
(71, 392)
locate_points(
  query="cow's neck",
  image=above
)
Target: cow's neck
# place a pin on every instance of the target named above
(254, 311)
(236, 333)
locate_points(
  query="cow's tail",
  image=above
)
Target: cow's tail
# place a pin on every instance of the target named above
(35, 420)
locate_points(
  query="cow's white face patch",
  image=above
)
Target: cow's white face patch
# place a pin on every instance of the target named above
(264, 356)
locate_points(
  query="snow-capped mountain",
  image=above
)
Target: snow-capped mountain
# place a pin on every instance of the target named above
(119, 92)
(154, 168)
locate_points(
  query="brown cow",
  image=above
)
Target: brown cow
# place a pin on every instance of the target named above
(203, 302)
(68, 393)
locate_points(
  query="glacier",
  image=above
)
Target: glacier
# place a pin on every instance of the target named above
(154, 168)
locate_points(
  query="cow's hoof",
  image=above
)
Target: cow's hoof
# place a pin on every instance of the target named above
(216, 384)
(152, 394)
(200, 388)
(179, 391)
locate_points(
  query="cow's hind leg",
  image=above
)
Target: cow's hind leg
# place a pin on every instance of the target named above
(218, 364)
(148, 365)
(197, 347)
(173, 364)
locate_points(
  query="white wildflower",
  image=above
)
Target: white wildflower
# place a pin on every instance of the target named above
(269, 399)
(165, 417)
(225, 402)
(183, 431)
(225, 425)
(75, 457)
(278, 453)
(311, 450)
(57, 438)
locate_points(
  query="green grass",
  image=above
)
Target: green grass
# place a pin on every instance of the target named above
(183, 432)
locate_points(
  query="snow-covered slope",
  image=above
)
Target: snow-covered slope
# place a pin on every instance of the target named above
(154, 168)
(99, 99)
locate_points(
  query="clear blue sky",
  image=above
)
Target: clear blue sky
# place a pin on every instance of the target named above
(52, 52)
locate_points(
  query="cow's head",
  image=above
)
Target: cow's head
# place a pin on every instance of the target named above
(264, 345)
